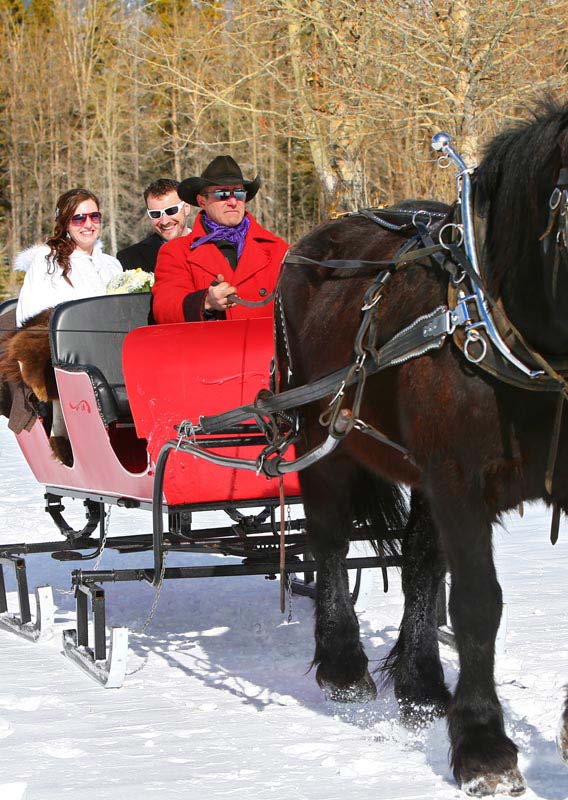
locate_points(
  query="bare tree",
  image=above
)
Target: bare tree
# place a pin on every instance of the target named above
(333, 103)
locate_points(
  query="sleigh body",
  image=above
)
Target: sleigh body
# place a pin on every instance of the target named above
(124, 387)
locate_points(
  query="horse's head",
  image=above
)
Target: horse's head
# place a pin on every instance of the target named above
(522, 192)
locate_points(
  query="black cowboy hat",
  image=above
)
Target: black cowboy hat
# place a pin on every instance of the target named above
(222, 171)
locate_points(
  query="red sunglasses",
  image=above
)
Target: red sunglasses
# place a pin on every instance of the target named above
(80, 219)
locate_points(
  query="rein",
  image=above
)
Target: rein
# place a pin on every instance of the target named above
(356, 264)
(427, 332)
(402, 257)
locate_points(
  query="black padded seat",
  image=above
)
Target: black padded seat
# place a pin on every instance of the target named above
(7, 306)
(87, 335)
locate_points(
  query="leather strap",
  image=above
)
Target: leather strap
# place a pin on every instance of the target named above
(404, 256)
(553, 450)
(408, 343)
(505, 323)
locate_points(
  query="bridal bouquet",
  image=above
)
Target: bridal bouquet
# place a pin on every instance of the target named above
(130, 281)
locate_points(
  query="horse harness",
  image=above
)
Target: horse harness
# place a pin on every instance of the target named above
(477, 323)
(556, 232)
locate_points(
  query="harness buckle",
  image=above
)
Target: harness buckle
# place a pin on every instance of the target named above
(467, 171)
(187, 430)
(376, 297)
(339, 393)
(458, 316)
(359, 361)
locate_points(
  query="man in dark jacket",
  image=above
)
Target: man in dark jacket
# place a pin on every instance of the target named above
(168, 215)
(227, 253)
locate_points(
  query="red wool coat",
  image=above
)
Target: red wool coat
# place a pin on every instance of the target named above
(183, 275)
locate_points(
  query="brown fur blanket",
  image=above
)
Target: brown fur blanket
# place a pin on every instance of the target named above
(25, 361)
(25, 355)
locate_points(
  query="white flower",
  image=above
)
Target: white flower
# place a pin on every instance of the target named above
(130, 281)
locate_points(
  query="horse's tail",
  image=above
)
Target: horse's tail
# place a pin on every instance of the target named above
(380, 511)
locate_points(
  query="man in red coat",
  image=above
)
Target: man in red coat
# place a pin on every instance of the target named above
(227, 252)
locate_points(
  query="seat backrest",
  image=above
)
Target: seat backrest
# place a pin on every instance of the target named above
(7, 316)
(8, 305)
(88, 335)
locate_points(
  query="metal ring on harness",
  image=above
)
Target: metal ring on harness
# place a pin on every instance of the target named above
(450, 226)
(474, 337)
(443, 162)
(416, 217)
(555, 199)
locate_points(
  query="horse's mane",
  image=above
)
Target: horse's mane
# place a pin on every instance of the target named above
(514, 181)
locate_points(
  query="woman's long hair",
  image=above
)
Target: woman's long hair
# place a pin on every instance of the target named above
(60, 244)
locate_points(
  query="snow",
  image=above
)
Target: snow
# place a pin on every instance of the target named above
(218, 700)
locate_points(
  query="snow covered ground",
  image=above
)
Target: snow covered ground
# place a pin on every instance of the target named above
(218, 702)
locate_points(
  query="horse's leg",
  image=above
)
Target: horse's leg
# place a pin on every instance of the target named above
(484, 759)
(414, 662)
(339, 656)
(563, 735)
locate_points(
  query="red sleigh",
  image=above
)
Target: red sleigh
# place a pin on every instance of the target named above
(127, 389)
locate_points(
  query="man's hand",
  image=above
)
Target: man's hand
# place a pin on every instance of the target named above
(218, 293)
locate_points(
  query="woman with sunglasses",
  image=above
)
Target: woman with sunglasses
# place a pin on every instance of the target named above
(71, 264)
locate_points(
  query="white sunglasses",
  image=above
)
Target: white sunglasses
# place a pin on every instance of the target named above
(156, 213)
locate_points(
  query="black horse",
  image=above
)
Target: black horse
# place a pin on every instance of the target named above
(479, 446)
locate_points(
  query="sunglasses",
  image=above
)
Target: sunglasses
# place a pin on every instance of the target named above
(224, 194)
(80, 219)
(156, 213)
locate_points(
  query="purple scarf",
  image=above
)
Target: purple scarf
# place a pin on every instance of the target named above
(235, 234)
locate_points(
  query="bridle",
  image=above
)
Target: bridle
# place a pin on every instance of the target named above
(555, 237)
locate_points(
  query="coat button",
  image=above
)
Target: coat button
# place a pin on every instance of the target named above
(262, 292)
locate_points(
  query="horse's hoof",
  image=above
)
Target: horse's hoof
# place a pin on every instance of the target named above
(510, 782)
(363, 691)
(419, 715)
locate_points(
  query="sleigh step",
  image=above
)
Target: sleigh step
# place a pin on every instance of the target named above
(108, 672)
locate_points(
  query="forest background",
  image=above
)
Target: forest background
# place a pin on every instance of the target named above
(332, 102)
